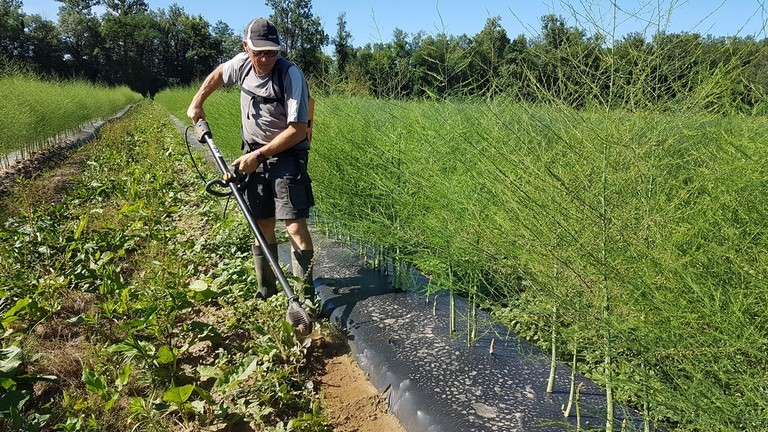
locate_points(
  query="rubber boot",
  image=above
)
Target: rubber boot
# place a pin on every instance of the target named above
(301, 264)
(264, 274)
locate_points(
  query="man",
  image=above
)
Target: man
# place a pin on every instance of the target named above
(274, 132)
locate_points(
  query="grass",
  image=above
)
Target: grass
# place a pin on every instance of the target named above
(222, 113)
(44, 109)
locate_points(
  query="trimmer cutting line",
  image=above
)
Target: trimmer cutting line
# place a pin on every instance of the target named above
(296, 315)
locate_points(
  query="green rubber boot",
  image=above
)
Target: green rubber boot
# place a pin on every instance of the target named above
(264, 274)
(301, 264)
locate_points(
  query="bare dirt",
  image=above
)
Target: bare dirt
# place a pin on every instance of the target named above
(353, 403)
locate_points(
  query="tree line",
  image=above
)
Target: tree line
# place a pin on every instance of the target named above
(562, 65)
(127, 44)
(149, 50)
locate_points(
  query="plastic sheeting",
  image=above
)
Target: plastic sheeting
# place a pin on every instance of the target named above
(434, 380)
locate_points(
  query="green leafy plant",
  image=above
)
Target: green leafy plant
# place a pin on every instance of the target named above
(97, 383)
(15, 386)
(109, 270)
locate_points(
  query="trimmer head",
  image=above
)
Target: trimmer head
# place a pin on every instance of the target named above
(299, 319)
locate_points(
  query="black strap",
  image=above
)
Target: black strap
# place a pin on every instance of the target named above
(302, 146)
(260, 99)
(280, 65)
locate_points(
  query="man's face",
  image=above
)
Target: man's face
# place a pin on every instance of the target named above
(263, 60)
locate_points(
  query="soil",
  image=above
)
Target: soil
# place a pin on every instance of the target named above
(353, 403)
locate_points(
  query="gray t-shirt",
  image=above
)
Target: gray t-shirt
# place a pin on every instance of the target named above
(263, 122)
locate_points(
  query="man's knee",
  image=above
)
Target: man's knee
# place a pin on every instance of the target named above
(296, 226)
(299, 232)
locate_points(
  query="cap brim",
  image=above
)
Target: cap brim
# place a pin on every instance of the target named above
(263, 46)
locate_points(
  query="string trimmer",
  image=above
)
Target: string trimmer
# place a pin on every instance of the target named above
(295, 315)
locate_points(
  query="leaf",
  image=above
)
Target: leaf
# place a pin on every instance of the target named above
(14, 400)
(21, 304)
(238, 373)
(81, 226)
(205, 331)
(178, 395)
(10, 360)
(111, 401)
(165, 355)
(77, 319)
(198, 286)
(21, 379)
(122, 377)
(93, 382)
(202, 291)
(8, 384)
(209, 371)
(199, 406)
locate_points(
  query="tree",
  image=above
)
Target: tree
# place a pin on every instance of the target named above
(43, 44)
(125, 7)
(80, 38)
(227, 42)
(490, 56)
(188, 49)
(81, 5)
(444, 62)
(129, 53)
(11, 28)
(562, 63)
(515, 74)
(301, 34)
(557, 34)
(341, 45)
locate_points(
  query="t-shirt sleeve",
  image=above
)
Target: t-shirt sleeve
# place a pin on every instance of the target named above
(297, 96)
(233, 68)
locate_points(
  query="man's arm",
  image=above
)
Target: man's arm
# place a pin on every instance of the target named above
(212, 83)
(294, 134)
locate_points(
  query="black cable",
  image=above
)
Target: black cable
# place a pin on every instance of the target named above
(202, 177)
(191, 156)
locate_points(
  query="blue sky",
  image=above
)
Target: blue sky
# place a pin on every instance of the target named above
(374, 20)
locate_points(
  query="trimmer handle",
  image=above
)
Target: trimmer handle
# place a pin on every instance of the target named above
(202, 131)
(239, 178)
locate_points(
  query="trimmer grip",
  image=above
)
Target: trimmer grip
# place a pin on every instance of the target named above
(202, 130)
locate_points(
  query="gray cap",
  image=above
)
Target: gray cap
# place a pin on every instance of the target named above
(261, 34)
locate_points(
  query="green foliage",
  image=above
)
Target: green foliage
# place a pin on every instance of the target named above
(36, 121)
(127, 45)
(222, 111)
(642, 229)
(160, 286)
(301, 34)
(580, 62)
(15, 386)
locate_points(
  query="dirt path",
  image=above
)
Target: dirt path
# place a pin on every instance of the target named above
(353, 402)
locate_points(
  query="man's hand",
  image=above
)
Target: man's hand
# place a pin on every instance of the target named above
(195, 112)
(247, 163)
